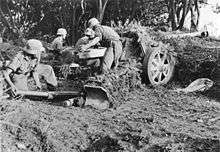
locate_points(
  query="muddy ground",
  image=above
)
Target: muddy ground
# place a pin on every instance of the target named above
(143, 118)
(149, 119)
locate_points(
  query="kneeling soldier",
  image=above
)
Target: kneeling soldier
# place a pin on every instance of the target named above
(89, 36)
(27, 63)
(57, 44)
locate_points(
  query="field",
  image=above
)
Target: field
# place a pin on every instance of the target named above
(150, 120)
(143, 118)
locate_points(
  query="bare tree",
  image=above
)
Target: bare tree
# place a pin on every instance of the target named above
(178, 10)
(99, 7)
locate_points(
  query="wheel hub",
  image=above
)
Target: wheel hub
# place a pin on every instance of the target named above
(161, 68)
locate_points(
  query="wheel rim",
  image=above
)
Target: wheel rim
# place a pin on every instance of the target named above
(160, 67)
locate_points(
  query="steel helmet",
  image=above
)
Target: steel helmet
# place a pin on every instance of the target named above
(61, 31)
(89, 32)
(33, 46)
(93, 22)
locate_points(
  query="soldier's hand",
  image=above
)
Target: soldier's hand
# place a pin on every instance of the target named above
(39, 87)
(83, 48)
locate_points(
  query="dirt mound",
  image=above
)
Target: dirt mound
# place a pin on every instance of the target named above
(149, 120)
(196, 57)
(142, 119)
(121, 82)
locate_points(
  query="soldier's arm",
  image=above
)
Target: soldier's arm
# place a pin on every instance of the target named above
(96, 40)
(13, 66)
(91, 43)
(60, 46)
(82, 41)
(7, 73)
(36, 79)
(57, 45)
(35, 73)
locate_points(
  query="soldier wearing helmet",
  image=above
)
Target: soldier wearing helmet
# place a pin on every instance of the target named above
(89, 35)
(27, 63)
(57, 44)
(107, 38)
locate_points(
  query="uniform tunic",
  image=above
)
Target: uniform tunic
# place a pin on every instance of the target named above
(83, 41)
(57, 44)
(110, 39)
(22, 67)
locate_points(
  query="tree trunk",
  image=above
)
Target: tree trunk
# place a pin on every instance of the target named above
(184, 13)
(101, 8)
(172, 13)
(11, 24)
(13, 30)
(4, 20)
(74, 26)
(194, 9)
(186, 6)
(134, 8)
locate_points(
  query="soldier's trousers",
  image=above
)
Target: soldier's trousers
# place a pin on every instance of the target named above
(93, 62)
(45, 71)
(111, 57)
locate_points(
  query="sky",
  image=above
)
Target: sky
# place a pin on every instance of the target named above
(209, 20)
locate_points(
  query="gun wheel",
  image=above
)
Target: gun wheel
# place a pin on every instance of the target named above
(158, 67)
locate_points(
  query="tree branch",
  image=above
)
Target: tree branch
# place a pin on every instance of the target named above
(5, 20)
(103, 10)
(82, 6)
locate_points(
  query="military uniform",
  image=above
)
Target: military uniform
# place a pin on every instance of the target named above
(82, 41)
(110, 39)
(57, 46)
(90, 62)
(22, 66)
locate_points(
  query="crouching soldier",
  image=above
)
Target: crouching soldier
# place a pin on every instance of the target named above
(108, 38)
(27, 63)
(89, 36)
(57, 44)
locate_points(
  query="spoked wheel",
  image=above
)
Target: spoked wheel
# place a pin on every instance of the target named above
(158, 67)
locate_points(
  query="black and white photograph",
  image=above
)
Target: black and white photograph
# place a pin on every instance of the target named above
(109, 75)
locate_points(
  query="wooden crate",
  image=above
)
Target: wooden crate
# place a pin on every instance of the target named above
(92, 53)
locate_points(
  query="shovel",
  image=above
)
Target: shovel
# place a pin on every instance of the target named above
(94, 96)
(97, 97)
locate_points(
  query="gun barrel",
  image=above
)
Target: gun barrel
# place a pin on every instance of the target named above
(33, 93)
(67, 94)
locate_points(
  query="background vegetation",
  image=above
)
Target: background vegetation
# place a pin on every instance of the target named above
(41, 18)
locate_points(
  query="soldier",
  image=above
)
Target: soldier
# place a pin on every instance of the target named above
(89, 36)
(108, 38)
(27, 63)
(57, 44)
